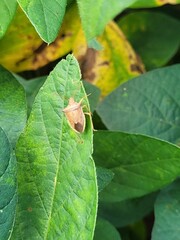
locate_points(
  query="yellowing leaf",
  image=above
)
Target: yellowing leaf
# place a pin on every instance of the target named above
(162, 2)
(32, 51)
(60, 47)
(153, 3)
(19, 42)
(114, 64)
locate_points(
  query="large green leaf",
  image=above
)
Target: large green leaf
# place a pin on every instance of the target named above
(148, 104)
(12, 106)
(127, 212)
(95, 14)
(57, 180)
(167, 217)
(104, 177)
(105, 230)
(12, 121)
(145, 31)
(140, 164)
(7, 187)
(45, 15)
(7, 11)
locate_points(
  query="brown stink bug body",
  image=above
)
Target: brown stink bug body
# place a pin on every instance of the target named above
(75, 115)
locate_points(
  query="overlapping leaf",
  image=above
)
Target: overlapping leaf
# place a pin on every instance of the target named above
(19, 43)
(140, 164)
(145, 31)
(148, 104)
(58, 192)
(33, 53)
(102, 11)
(127, 212)
(95, 14)
(7, 11)
(12, 121)
(45, 15)
(104, 177)
(12, 106)
(114, 64)
(7, 187)
(105, 230)
(93, 93)
(99, 67)
(167, 217)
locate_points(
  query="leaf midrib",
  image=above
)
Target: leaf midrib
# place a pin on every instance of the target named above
(53, 195)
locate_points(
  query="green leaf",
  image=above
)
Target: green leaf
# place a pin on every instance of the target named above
(127, 212)
(12, 121)
(95, 14)
(12, 106)
(140, 164)
(148, 104)
(105, 230)
(167, 217)
(104, 177)
(57, 179)
(7, 11)
(7, 187)
(94, 94)
(45, 15)
(31, 88)
(95, 44)
(145, 31)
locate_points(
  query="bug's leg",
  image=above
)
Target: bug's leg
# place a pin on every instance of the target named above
(84, 106)
(90, 116)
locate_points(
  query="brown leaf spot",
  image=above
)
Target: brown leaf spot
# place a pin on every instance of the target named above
(21, 60)
(130, 56)
(64, 35)
(136, 64)
(29, 37)
(40, 48)
(136, 68)
(105, 63)
(29, 209)
(87, 62)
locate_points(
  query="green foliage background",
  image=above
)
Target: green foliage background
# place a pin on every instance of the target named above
(120, 181)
